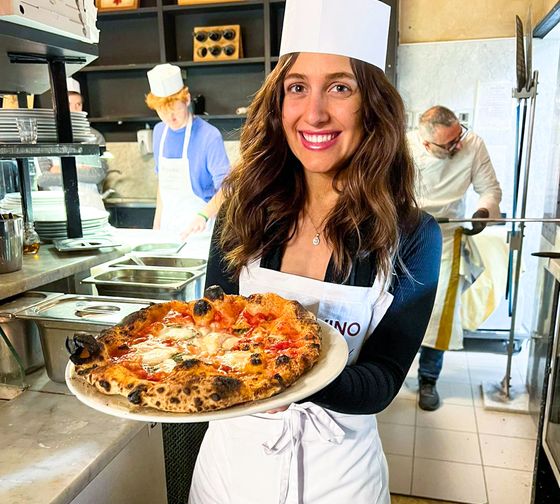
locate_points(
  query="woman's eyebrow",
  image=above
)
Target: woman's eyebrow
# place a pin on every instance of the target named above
(332, 76)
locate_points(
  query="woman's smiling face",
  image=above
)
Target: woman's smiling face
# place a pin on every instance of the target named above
(321, 111)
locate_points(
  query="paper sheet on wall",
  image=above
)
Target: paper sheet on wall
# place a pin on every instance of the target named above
(493, 106)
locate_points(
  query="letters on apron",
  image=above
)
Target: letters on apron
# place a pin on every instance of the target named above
(306, 454)
(179, 202)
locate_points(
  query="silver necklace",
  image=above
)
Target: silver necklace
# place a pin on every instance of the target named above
(317, 238)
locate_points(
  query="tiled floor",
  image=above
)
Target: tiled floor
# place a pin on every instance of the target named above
(461, 453)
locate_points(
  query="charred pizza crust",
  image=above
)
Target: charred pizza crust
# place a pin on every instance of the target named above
(231, 349)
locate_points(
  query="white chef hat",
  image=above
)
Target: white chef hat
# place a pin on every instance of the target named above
(165, 80)
(355, 28)
(73, 85)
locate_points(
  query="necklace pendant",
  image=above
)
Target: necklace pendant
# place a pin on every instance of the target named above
(316, 240)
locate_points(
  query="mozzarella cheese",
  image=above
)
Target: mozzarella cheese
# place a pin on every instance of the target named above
(178, 332)
(236, 360)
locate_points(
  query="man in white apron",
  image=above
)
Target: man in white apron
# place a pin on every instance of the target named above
(191, 161)
(308, 453)
(449, 159)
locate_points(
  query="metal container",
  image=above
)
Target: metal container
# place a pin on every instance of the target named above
(185, 263)
(157, 248)
(65, 315)
(149, 283)
(11, 244)
(22, 334)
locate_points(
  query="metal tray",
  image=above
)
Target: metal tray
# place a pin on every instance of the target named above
(140, 282)
(186, 263)
(83, 244)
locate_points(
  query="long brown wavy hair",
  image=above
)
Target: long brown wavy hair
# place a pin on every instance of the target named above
(266, 191)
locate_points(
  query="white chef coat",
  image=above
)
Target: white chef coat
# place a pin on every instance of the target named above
(441, 189)
(306, 454)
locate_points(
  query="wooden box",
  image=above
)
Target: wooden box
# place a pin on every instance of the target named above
(217, 43)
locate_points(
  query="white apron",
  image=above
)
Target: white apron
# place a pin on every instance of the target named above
(179, 202)
(306, 454)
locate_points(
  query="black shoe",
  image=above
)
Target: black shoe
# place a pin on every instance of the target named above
(429, 397)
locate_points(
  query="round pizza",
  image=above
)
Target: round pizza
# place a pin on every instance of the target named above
(201, 355)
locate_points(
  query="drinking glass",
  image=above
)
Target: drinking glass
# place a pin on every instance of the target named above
(27, 129)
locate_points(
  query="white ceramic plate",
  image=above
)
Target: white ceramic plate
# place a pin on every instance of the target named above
(332, 360)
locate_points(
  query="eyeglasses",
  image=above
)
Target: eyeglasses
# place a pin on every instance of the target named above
(451, 146)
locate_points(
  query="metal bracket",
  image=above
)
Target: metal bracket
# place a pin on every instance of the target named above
(514, 238)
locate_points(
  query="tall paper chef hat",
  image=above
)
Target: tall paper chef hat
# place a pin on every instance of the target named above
(355, 28)
(165, 80)
(73, 85)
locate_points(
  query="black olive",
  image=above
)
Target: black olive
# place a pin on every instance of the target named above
(105, 384)
(135, 397)
(160, 389)
(187, 390)
(256, 359)
(214, 292)
(174, 400)
(282, 359)
(202, 307)
(246, 348)
(198, 403)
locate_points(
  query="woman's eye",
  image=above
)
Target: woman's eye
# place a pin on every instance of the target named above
(341, 88)
(295, 88)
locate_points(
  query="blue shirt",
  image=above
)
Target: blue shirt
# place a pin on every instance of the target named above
(208, 161)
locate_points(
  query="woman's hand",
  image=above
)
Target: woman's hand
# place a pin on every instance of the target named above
(196, 225)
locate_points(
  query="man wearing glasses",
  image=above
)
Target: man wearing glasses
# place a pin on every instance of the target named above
(449, 159)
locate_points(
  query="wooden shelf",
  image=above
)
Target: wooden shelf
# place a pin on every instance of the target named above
(123, 119)
(144, 119)
(242, 61)
(141, 11)
(178, 9)
(120, 68)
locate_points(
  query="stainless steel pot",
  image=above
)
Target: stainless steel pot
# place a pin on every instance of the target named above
(22, 334)
(11, 244)
(68, 314)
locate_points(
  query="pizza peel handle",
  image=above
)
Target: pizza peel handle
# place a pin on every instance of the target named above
(332, 360)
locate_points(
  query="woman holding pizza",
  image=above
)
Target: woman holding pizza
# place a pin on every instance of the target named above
(321, 209)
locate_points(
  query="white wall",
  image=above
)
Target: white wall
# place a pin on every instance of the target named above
(477, 77)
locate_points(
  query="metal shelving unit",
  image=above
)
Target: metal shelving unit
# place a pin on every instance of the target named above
(32, 61)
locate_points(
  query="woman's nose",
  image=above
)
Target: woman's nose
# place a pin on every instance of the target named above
(316, 111)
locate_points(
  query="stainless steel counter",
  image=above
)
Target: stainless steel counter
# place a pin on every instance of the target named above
(49, 265)
(54, 449)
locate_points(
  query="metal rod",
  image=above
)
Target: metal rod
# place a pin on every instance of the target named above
(517, 273)
(25, 190)
(63, 122)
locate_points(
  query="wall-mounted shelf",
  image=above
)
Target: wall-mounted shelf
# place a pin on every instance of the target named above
(214, 6)
(141, 11)
(11, 151)
(151, 119)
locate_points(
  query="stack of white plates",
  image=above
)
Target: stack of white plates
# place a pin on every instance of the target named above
(41, 200)
(49, 215)
(46, 127)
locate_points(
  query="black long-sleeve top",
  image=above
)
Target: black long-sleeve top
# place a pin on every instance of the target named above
(369, 385)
